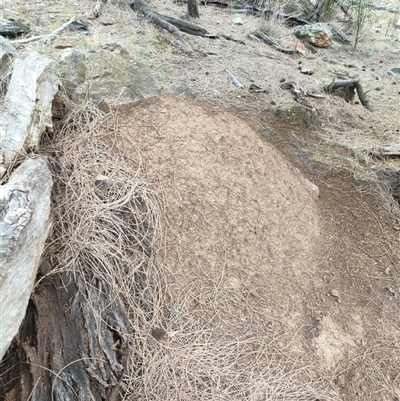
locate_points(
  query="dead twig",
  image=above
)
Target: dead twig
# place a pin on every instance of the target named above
(234, 79)
(47, 37)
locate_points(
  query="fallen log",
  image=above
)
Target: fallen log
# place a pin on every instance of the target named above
(182, 25)
(387, 150)
(386, 8)
(49, 36)
(171, 24)
(72, 345)
(24, 118)
(270, 42)
(25, 223)
(351, 84)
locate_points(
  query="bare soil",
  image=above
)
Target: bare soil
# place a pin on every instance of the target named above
(322, 270)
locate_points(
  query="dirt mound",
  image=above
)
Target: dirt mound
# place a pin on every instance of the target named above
(234, 206)
(257, 253)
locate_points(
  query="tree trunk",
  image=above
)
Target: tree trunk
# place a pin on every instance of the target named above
(317, 11)
(71, 345)
(193, 9)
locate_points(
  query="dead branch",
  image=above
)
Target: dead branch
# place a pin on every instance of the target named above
(385, 8)
(351, 84)
(387, 150)
(171, 24)
(270, 42)
(49, 36)
(234, 79)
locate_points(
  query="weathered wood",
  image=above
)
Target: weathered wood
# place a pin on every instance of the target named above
(142, 8)
(234, 79)
(386, 8)
(350, 83)
(171, 24)
(24, 226)
(72, 345)
(387, 150)
(49, 36)
(184, 26)
(11, 28)
(24, 118)
(270, 42)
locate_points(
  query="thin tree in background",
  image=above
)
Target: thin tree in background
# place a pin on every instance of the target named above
(193, 9)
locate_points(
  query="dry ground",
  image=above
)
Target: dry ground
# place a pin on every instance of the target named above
(274, 293)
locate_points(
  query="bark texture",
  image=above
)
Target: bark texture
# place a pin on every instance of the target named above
(24, 226)
(72, 344)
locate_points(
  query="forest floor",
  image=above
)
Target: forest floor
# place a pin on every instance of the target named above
(278, 226)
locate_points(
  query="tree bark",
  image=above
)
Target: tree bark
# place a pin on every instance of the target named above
(71, 346)
(317, 11)
(171, 24)
(193, 9)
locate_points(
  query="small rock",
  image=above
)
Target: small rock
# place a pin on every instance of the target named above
(179, 88)
(237, 20)
(102, 182)
(335, 293)
(301, 48)
(314, 191)
(387, 271)
(397, 25)
(63, 43)
(6, 50)
(107, 22)
(391, 291)
(78, 25)
(158, 333)
(103, 106)
(318, 34)
(395, 70)
(75, 73)
(307, 71)
(340, 37)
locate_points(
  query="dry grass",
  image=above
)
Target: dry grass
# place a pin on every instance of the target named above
(189, 341)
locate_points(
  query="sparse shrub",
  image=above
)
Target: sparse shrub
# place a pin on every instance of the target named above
(359, 13)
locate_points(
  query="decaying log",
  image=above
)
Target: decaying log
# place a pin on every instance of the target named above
(12, 29)
(24, 118)
(184, 26)
(349, 83)
(72, 345)
(270, 42)
(171, 24)
(24, 226)
(387, 150)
